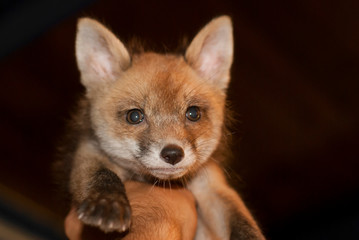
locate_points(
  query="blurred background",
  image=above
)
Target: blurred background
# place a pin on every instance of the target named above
(294, 89)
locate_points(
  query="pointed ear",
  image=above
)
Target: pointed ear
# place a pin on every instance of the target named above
(211, 52)
(101, 57)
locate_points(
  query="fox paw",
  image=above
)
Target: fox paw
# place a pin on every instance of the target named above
(108, 213)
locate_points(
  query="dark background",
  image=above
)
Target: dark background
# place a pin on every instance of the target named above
(295, 83)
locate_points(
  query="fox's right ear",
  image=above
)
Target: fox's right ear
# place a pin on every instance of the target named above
(101, 56)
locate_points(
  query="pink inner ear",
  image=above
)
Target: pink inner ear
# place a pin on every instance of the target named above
(101, 62)
(210, 65)
(212, 56)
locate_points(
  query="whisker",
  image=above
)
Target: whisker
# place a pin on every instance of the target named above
(169, 182)
(153, 185)
(182, 179)
(131, 177)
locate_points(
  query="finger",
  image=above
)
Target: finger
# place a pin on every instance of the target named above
(73, 226)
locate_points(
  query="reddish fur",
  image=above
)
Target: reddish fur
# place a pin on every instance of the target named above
(163, 86)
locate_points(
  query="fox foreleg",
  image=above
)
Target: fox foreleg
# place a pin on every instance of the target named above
(221, 212)
(98, 193)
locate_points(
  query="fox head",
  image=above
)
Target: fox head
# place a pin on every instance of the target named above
(158, 115)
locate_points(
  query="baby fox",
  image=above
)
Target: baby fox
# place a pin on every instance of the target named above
(153, 117)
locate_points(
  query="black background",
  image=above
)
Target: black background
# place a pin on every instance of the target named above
(294, 88)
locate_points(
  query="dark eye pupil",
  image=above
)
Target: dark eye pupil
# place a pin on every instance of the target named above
(193, 113)
(135, 116)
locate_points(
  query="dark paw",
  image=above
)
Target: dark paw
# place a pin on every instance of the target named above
(109, 213)
(242, 228)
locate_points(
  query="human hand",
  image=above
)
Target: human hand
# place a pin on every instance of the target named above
(157, 213)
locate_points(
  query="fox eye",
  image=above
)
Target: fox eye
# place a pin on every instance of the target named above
(134, 116)
(193, 113)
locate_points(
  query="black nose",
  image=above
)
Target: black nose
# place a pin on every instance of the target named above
(172, 154)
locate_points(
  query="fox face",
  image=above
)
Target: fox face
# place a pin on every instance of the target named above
(164, 121)
(153, 114)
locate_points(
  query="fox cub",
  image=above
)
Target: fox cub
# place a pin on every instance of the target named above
(153, 117)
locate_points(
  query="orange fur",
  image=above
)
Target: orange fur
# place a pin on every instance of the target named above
(163, 88)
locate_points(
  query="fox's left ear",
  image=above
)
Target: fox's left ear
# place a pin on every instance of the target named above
(211, 52)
